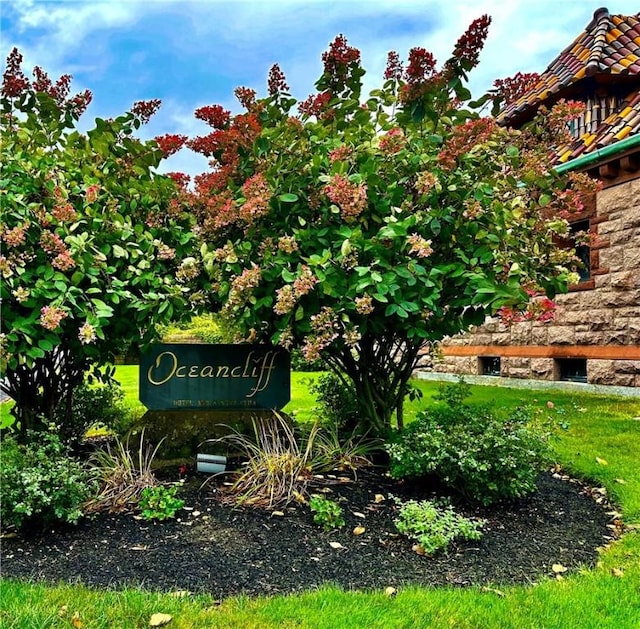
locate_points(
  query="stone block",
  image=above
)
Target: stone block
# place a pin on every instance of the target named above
(568, 299)
(502, 338)
(521, 333)
(612, 259)
(615, 337)
(633, 331)
(589, 338)
(625, 280)
(600, 372)
(522, 373)
(627, 367)
(540, 334)
(542, 368)
(632, 258)
(620, 197)
(561, 335)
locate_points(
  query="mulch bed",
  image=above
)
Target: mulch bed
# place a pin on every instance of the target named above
(227, 551)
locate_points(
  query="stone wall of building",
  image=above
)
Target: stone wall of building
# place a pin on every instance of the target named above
(598, 321)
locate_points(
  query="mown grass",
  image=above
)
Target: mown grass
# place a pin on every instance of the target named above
(600, 442)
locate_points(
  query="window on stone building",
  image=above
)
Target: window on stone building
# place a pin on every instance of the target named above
(583, 251)
(571, 369)
(489, 365)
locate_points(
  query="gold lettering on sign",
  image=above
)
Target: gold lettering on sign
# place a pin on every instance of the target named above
(255, 368)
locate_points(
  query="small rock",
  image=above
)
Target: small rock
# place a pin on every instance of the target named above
(159, 620)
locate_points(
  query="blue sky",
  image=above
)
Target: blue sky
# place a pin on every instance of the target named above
(194, 53)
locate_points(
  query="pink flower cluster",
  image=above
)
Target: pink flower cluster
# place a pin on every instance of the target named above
(257, 195)
(340, 154)
(21, 294)
(246, 96)
(86, 334)
(464, 138)
(351, 198)
(510, 89)
(285, 300)
(64, 212)
(393, 141)
(165, 252)
(277, 82)
(51, 242)
(394, 67)
(468, 47)
(242, 286)
(541, 310)
(16, 236)
(317, 105)
(351, 337)
(305, 282)
(91, 193)
(287, 244)
(420, 246)
(51, 316)
(364, 305)
(325, 331)
(425, 182)
(145, 109)
(214, 115)
(288, 295)
(340, 61)
(170, 143)
(63, 261)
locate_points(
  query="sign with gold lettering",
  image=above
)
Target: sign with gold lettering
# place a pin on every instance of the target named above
(225, 377)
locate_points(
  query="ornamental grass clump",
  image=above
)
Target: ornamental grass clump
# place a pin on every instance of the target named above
(122, 475)
(473, 450)
(277, 468)
(280, 460)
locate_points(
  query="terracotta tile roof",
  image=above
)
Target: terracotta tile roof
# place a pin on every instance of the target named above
(622, 123)
(606, 56)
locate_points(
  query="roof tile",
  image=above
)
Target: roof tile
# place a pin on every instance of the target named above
(609, 46)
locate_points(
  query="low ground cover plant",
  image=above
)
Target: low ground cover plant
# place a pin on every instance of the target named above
(471, 448)
(327, 513)
(435, 525)
(40, 482)
(160, 502)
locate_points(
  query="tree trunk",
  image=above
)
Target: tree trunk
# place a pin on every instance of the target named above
(379, 374)
(39, 390)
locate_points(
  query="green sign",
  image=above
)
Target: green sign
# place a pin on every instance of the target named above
(233, 377)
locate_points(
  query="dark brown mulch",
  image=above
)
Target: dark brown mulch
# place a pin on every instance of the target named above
(225, 551)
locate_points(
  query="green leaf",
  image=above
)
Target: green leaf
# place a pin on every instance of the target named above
(119, 252)
(288, 197)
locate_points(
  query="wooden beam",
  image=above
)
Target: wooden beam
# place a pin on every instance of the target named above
(602, 352)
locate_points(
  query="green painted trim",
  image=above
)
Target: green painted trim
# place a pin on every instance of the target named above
(595, 156)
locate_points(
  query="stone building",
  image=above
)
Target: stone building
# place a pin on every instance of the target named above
(595, 335)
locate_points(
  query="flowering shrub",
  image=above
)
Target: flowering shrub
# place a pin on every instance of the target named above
(374, 227)
(92, 243)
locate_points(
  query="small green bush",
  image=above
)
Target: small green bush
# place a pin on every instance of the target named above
(326, 513)
(40, 482)
(160, 502)
(93, 405)
(473, 450)
(435, 526)
(337, 402)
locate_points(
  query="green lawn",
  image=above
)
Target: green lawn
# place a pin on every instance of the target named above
(601, 443)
